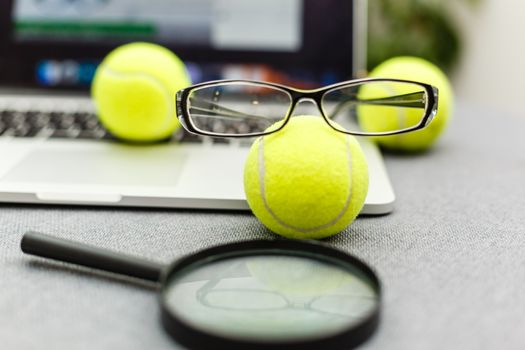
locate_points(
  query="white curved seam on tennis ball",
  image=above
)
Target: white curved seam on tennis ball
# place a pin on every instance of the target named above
(155, 81)
(262, 186)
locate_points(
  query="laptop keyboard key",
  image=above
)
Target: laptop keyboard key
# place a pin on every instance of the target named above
(56, 117)
(89, 134)
(39, 120)
(66, 122)
(7, 115)
(31, 132)
(60, 133)
(14, 119)
(83, 117)
(21, 130)
(90, 123)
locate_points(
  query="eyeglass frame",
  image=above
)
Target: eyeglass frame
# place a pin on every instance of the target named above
(298, 95)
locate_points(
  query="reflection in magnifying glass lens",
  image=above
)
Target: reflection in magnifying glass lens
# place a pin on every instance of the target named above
(273, 297)
(243, 299)
(355, 306)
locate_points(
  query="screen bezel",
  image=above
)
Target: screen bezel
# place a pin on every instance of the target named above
(20, 58)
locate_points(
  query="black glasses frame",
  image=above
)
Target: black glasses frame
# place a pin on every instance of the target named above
(297, 95)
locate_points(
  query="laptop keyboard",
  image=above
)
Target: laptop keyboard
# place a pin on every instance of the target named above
(60, 124)
(75, 125)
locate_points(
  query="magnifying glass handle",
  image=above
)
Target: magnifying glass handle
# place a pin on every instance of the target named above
(46, 246)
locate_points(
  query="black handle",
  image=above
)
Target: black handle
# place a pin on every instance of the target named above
(46, 246)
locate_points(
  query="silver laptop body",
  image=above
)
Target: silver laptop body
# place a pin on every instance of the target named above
(73, 161)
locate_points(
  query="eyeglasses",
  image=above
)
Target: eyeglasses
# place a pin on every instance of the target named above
(366, 107)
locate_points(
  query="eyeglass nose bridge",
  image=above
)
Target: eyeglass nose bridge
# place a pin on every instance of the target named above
(300, 99)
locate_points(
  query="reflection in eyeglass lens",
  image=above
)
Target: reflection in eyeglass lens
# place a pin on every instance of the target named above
(376, 107)
(240, 108)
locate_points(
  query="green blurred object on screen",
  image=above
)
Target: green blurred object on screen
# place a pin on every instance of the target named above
(422, 28)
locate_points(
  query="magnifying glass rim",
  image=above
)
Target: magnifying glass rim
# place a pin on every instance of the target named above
(193, 337)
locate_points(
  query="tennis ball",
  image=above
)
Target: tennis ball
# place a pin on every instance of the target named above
(408, 68)
(306, 180)
(134, 91)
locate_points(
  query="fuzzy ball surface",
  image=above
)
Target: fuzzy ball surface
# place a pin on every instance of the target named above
(134, 91)
(306, 181)
(416, 69)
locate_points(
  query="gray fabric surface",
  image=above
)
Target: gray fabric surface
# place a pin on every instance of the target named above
(451, 256)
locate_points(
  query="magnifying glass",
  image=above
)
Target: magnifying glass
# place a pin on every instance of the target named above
(247, 295)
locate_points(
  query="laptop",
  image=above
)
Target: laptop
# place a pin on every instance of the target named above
(54, 151)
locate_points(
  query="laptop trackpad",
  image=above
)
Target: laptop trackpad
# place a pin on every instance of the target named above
(123, 165)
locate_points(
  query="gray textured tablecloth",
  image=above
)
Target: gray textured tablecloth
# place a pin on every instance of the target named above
(451, 257)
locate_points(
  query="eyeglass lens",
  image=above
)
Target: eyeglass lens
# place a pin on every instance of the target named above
(375, 107)
(237, 108)
(271, 297)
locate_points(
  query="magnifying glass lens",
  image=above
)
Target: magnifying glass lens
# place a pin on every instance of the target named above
(278, 297)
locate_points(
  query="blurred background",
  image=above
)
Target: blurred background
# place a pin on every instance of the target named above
(477, 42)
(491, 73)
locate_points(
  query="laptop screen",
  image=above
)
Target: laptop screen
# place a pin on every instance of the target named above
(219, 25)
(59, 43)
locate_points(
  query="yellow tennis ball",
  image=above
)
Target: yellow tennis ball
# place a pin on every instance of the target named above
(134, 91)
(306, 180)
(408, 68)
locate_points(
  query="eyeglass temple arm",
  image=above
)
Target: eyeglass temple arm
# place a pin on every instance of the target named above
(225, 112)
(412, 100)
(46, 246)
